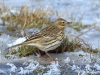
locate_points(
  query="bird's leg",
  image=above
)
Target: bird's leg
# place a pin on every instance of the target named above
(50, 56)
(39, 53)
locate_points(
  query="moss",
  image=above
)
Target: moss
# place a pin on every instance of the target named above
(22, 51)
(26, 51)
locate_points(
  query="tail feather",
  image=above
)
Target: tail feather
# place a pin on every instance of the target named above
(20, 44)
(23, 43)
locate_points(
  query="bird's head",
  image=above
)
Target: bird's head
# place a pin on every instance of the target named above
(61, 23)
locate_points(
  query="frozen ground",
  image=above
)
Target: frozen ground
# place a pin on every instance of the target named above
(73, 63)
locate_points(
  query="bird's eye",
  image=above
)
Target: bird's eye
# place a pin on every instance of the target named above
(63, 22)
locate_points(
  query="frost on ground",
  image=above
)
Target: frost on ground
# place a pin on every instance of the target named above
(54, 68)
(73, 63)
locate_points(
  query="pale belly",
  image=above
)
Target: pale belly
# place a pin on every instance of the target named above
(47, 47)
(50, 47)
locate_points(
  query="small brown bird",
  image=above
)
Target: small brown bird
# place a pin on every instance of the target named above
(48, 38)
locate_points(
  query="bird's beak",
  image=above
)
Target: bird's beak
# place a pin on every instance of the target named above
(69, 22)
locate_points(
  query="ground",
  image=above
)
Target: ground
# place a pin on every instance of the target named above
(72, 63)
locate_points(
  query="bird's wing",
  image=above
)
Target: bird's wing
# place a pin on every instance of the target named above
(46, 32)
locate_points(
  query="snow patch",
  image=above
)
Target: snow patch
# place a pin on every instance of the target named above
(13, 67)
(2, 71)
(18, 41)
(53, 69)
(67, 60)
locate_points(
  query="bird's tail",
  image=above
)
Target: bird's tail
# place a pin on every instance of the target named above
(21, 44)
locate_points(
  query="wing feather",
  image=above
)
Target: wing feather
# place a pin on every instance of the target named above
(46, 32)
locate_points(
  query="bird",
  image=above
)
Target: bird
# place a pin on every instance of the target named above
(48, 38)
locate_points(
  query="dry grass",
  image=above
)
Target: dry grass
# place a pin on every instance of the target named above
(24, 18)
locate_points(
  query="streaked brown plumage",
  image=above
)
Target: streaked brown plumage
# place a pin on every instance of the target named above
(48, 38)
